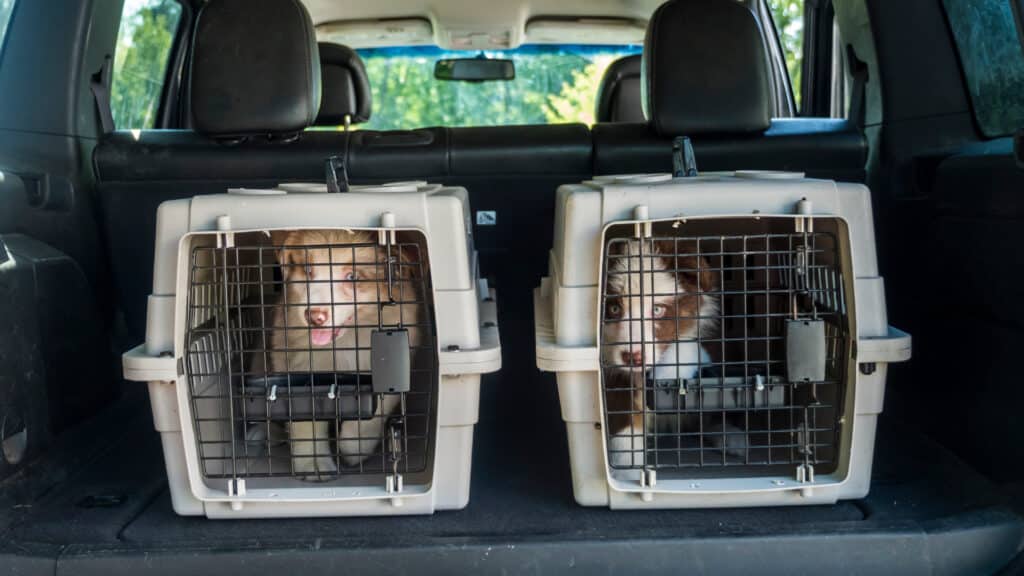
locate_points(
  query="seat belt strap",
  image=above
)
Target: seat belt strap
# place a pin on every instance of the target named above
(859, 73)
(100, 85)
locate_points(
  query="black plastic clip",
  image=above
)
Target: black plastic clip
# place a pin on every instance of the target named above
(337, 175)
(684, 161)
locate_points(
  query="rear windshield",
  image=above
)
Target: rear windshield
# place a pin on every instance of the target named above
(990, 53)
(553, 84)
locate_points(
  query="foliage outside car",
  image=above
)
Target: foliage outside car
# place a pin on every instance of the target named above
(789, 22)
(144, 43)
(554, 84)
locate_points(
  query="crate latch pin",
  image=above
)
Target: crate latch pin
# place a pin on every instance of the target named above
(384, 237)
(805, 471)
(236, 489)
(648, 479)
(642, 229)
(225, 238)
(393, 482)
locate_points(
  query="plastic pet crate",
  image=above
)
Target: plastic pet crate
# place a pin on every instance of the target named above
(313, 354)
(719, 340)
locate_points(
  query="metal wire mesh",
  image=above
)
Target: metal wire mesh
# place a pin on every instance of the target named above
(723, 350)
(279, 342)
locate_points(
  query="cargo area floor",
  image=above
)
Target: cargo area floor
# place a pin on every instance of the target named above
(98, 504)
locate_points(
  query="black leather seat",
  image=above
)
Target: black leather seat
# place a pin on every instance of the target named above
(346, 97)
(245, 83)
(704, 75)
(618, 97)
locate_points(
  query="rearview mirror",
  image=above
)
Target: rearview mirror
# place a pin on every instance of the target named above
(474, 69)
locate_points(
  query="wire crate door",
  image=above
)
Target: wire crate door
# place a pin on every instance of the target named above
(311, 357)
(723, 347)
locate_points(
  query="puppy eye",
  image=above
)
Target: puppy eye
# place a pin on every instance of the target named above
(350, 276)
(659, 310)
(614, 309)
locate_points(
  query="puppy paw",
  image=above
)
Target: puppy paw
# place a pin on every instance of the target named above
(359, 441)
(730, 439)
(316, 469)
(311, 451)
(626, 449)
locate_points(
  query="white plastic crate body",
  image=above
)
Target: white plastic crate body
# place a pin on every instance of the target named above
(566, 312)
(465, 348)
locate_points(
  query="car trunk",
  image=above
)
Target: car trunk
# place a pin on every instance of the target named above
(97, 502)
(92, 496)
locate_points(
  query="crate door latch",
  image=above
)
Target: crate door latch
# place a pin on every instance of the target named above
(389, 352)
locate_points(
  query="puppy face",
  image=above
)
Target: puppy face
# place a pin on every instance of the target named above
(326, 274)
(654, 299)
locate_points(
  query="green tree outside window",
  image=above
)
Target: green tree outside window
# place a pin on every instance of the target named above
(789, 23)
(553, 84)
(144, 44)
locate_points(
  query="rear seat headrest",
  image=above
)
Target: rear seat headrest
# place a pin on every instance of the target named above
(255, 68)
(705, 69)
(346, 89)
(618, 97)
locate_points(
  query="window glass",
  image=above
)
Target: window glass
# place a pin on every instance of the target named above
(993, 64)
(144, 41)
(6, 9)
(842, 83)
(788, 16)
(553, 84)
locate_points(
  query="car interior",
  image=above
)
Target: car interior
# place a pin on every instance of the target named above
(888, 98)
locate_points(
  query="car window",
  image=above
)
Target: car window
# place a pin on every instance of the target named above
(842, 81)
(788, 17)
(992, 61)
(553, 84)
(6, 9)
(144, 41)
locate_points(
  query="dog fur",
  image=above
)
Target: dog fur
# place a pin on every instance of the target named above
(330, 301)
(677, 308)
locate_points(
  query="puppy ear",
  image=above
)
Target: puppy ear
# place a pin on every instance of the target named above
(409, 254)
(696, 273)
(279, 239)
(668, 248)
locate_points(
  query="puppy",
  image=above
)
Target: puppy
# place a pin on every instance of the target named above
(334, 297)
(655, 334)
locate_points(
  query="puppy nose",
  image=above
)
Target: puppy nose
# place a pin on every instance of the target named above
(632, 358)
(316, 317)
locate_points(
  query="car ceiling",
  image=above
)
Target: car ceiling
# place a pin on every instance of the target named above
(485, 24)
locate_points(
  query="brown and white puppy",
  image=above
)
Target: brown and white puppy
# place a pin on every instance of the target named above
(659, 304)
(334, 284)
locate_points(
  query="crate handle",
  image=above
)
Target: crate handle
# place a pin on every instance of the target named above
(895, 346)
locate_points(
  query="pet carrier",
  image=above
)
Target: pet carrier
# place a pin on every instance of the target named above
(317, 354)
(719, 340)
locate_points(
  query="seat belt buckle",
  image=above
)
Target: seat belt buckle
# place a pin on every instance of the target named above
(337, 175)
